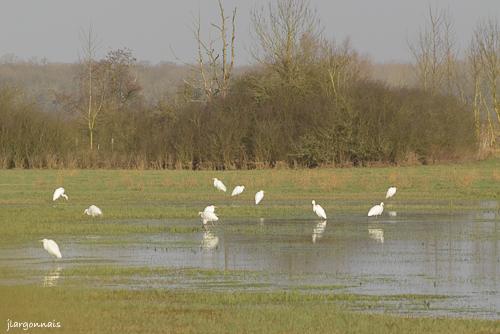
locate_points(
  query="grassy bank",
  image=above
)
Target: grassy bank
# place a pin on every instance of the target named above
(28, 213)
(163, 311)
(27, 209)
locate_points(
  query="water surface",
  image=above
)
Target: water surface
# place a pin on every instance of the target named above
(455, 256)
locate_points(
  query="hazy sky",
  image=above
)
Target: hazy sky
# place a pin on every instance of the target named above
(50, 28)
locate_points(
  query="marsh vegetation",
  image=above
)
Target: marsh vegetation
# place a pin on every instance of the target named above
(270, 261)
(306, 101)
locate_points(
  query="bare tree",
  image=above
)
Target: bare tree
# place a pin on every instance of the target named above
(487, 41)
(435, 55)
(92, 89)
(215, 58)
(121, 83)
(105, 85)
(279, 33)
(475, 73)
(343, 68)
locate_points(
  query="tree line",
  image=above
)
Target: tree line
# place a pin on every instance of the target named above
(470, 74)
(305, 102)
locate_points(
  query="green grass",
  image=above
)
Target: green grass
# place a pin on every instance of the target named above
(166, 311)
(27, 211)
(151, 201)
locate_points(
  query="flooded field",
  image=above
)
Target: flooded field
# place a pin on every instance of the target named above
(450, 262)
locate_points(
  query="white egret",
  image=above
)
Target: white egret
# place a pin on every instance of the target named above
(391, 192)
(318, 210)
(219, 185)
(208, 215)
(59, 192)
(237, 190)
(210, 208)
(51, 247)
(259, 196)
(93, 211)
(376, 210)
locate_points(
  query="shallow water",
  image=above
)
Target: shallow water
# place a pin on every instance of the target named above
(452, 255)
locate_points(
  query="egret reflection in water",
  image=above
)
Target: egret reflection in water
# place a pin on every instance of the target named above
(209, 241)
(445, 254)
(376, 234)
(489, 215)
(318, 231)
(50, 279)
